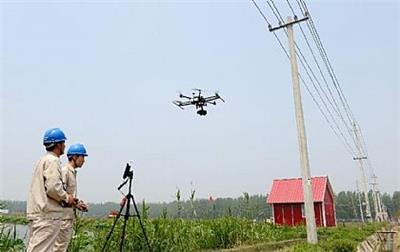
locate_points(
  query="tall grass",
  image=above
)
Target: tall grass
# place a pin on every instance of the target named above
(8, 239)
(181, 235)
(176, 234)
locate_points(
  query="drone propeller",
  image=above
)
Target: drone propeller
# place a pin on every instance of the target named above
(184, 96)
(178, 103)
(219, 97)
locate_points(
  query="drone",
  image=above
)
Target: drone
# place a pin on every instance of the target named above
(198, 100)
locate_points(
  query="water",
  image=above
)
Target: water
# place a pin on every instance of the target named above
(21, 231)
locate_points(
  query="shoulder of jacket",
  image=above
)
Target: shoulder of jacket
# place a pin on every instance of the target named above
(51, 157)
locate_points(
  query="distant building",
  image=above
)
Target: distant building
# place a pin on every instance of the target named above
(113, 214)
(4, 211)
(286, 198)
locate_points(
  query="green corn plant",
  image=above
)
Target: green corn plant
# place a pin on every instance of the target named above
(179, 203)
(192, 194)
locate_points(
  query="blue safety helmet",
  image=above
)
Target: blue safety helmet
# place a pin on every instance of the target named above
(77, 149)
(54, 135)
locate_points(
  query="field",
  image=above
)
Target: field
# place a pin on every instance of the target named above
(234, 234)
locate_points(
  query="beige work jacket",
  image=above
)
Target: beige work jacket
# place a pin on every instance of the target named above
(46, 192)
(69, 180)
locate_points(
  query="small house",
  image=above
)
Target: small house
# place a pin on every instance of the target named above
(286, 198)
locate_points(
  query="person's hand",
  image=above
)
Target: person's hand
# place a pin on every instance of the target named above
(81, 206)
(71, 200)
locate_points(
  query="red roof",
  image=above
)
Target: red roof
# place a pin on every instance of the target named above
(291, 190)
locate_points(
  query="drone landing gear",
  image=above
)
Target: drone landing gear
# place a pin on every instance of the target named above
(202, 112)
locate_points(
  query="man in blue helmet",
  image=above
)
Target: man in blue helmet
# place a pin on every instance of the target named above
(47, 194)
(76, 158)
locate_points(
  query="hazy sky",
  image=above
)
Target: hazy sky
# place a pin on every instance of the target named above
(106, 72)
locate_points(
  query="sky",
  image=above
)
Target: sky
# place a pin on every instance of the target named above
(106, 73)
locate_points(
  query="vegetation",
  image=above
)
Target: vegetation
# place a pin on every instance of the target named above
(209, 225)
(222, 233)
(9, 240)
(253, 207)
(14, 219)
(340, 239)
(166, 234)
(246, 206)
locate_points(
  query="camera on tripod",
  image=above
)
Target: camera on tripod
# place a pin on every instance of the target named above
(128, 173)
(127, 200)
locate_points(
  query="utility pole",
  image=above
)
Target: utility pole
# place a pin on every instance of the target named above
(377, 206)
(360, 159)
(301, 132)
(359, 201)
(381, 207)
(354, 207)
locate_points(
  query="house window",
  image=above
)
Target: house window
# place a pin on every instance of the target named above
(302, 211)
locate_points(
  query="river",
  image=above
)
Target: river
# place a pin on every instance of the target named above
(21, 231)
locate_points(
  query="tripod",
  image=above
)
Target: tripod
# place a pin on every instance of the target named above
(126, 202)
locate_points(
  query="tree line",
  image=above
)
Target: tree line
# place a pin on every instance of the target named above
(245, 206)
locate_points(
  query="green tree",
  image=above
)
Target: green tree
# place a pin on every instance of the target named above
(396, 201)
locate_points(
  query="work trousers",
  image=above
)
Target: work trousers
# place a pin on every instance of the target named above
(43, 234)
(64, 236)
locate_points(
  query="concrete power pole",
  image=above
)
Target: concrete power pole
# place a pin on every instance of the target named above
(305, 166)
(374, 197)
(359, 201)
(360, 159)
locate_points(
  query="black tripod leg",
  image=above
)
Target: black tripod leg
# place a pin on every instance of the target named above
(112, 228)
(126, 218)
(141, 224)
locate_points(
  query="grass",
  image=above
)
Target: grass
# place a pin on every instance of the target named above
(222, 234)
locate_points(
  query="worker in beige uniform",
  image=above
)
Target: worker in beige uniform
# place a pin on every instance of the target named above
(46, 194)
(76, 158)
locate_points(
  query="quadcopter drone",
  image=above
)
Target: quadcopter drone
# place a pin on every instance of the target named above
(198, 100)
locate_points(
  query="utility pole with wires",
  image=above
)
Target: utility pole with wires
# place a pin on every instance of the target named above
(374, 198)
(379, 215)
(360, 157)
(304, 162)
(359, 201)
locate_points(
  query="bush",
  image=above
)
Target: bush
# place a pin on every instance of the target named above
(343, 245)
(305, 247)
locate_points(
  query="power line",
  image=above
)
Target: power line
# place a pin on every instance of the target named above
(269, 26)
(344, 140)
(335, 106)
(329, 66)
(324, 55)
(304, 63)
(277, 14)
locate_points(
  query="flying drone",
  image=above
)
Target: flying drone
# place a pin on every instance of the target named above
(198, 100)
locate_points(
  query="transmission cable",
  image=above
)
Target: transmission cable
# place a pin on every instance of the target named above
(329, 66)
(335, 105)
(323, 56)
(344, 141)
(304, 64)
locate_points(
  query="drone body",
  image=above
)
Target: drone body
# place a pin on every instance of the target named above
(198, 100)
